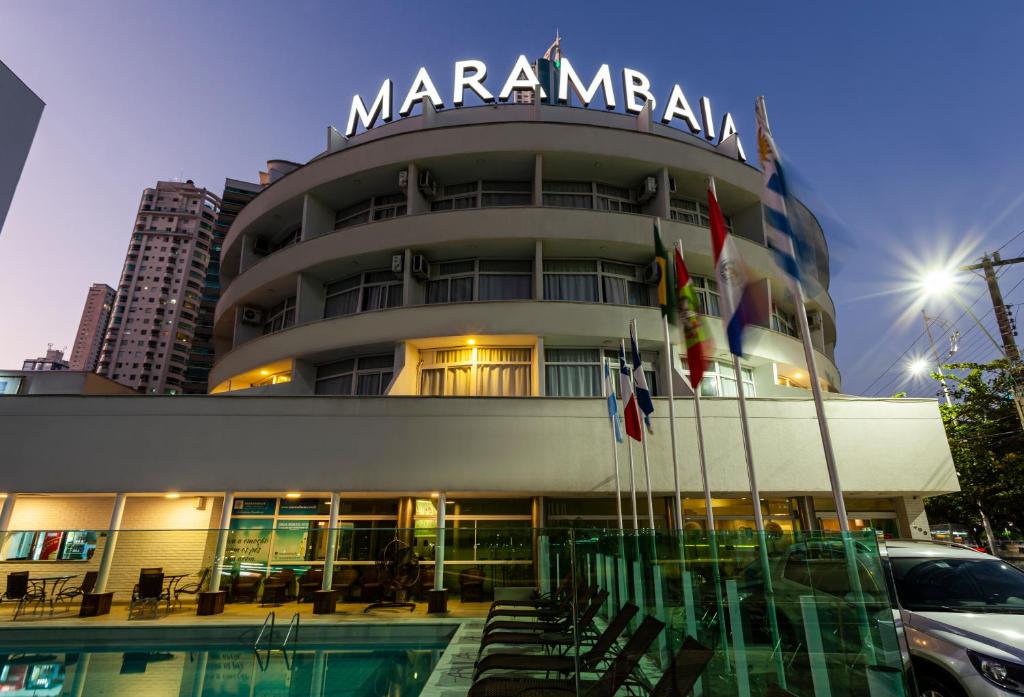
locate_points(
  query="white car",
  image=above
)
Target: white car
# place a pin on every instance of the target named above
(962, 613)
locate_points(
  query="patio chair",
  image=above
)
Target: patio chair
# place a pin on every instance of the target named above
(285, 577)
(67, 594)
(191, 588)
(613, 678)
(343, 581)
(149, 593)
(18, 589)
(589, 660)
(309, 583)
(245, 586)
(471, 585)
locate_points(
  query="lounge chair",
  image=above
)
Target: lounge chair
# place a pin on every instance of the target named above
(613, 678)
(547, 624)
(68, 594)
(589, 660)
(149, 592)
(560, 635)
(687, 665)
(550, 611)
(540, 600)
(191, 588)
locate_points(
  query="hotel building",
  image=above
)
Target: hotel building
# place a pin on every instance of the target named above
(85, 354)
(424, 308)
(150, 334)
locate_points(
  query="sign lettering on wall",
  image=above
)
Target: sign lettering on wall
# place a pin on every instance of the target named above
(471, 75)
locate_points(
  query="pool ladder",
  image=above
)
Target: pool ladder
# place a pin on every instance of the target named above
(267, 629)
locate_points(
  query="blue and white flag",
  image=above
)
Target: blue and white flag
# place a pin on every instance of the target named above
(613, 404)
(784, 238)
(643, 392)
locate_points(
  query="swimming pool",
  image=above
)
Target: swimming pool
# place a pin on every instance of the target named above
(320, 668)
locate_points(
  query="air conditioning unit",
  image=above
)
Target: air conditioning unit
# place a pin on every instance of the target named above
(426, 184)
(420, 266)
(396, 264)
(260, 246)
(403, 179)
(652, 274)
(647, 190)
(671, 185)
(252, 315)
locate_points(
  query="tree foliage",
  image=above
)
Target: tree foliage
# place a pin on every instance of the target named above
(987, 443)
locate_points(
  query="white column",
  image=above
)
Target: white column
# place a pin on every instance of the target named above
(222, 540)
(5, 517)
(439, 547)
(108, 549)
(332, 540)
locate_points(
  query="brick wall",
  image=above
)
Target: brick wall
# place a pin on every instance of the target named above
(155, 531)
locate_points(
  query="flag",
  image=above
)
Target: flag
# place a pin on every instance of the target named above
(795, 253)
(630, 412)
(698, 346)
(640, 389)
(554, 52)
(613, 405)
(739, 299)
(666, 298)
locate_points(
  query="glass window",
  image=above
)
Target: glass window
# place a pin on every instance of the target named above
(648, 361)
(572, 372)
(389, 206)
(457, 197)
(615, 198)
(720, 380)
(506, 279)
(592, 280)
(363, 376)
(373, 290)
(563, 194)
(495, 279)
(50, 545)
(281, 316)
(782, 321)
(694, 212)
(506, 193)
(476, 372)
(356, 214)
(707, 296)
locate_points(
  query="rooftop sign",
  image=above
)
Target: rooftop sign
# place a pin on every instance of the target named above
(470, 75)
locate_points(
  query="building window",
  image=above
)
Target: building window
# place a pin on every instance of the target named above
(707, 295)
(374, 208)
(720, 380)
(595, 280)
(480, 371)
(648, 361)
(615, 198)
(281, 316)
(363, 376)
(568, 194)
(694, 212)
(782, 321)
(480, 279)
(50, 545)
(483, 194)
(372, 290)
(572, 372)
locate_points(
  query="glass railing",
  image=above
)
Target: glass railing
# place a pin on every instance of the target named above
(808, 613)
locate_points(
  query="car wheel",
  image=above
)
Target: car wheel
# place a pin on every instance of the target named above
(937, 686)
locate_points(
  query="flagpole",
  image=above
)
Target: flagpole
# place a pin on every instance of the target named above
(615, 451)
(643, 442)
(629, 451)
(672, 424)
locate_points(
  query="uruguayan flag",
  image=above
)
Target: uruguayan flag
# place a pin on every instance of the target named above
(782, 239)
(613, 404)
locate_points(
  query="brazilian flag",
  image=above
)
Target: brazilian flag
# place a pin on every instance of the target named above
(666, 288)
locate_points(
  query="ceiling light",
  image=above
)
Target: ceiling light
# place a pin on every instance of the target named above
(172, 495)
(471, 342)
(292, 495)
(264, 372)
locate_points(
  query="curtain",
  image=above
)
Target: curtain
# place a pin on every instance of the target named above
(342, 304)
(573, 380)
(459, 381)
(369, 384)
(505, 287)
(339, 385)
(374, 297)
(503, 380)
(432, 382)
(462, 290)
(580, 287)
(437, 291)
(616, 290)
(503, 355)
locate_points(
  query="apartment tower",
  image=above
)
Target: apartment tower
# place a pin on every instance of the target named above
(85, 354)
(154, 320)
(236, 194)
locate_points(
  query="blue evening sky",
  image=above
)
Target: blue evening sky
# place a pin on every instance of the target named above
(904, 119)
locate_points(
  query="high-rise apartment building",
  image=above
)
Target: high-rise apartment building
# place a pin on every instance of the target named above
(155, 312)
(236, 194)
(53, 360)
(85, 354)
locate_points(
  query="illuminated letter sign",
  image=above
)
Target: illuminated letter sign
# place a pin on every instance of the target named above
(586, 95)
(522, 77)
(422, 87)
(474, 81)
(678, 108)
(381, 109)
(636, 83)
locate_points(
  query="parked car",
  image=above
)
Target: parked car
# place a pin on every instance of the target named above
(962, 613)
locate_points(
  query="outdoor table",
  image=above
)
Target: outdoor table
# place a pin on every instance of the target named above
(49, 586)
(172, 580)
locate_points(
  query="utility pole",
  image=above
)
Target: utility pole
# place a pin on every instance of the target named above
(938, 361)
(1007, 330)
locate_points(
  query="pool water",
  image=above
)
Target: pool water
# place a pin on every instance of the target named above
(352, 671)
